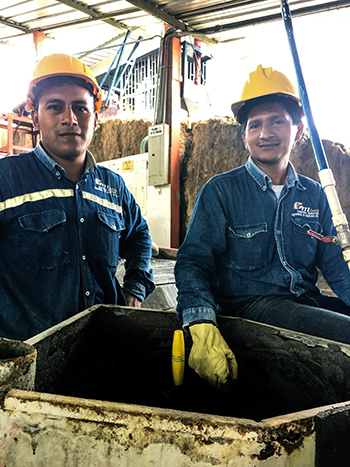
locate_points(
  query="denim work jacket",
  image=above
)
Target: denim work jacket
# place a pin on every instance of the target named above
(243, 242)
(60, 242)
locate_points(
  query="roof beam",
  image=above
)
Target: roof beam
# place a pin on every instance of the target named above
(94, 13)
(160, 14)
(171, 20)
(14, 24)
(53, 27)
(98, 16)
(275, 17)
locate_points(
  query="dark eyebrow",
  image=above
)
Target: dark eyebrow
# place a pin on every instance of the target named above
(256, 120)
(54, 100)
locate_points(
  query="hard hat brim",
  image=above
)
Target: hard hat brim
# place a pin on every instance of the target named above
(237, 106)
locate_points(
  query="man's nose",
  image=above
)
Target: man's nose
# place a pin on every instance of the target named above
(68, 116)
(266, 131)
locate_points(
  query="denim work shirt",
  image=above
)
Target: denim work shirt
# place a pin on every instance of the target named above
(243, 242)
(60, 242)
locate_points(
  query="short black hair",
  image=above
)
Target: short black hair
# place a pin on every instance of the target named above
(290, 104)
(37, 91)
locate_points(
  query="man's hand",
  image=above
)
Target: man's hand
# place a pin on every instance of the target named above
(132, 300)
(211, 357)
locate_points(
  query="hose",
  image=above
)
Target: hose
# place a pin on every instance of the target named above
(325, 173)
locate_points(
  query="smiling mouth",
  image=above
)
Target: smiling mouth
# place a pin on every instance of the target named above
(268, 146)
(69, 134)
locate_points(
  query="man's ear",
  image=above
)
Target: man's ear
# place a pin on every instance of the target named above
(96, 120)
(35, 119)
(300, 130)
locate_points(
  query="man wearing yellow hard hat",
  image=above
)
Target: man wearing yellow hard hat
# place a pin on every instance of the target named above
(64, 221)
(247, 252)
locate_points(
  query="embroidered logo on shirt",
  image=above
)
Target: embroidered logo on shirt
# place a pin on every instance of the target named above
(100, 186)
(301, 210)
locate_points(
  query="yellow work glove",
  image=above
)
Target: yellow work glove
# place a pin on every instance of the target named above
(210, 356)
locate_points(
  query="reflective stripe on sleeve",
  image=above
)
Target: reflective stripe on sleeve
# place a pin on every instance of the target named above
(33, 197)
(102, 202)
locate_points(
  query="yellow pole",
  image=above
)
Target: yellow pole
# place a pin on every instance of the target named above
(178, 357)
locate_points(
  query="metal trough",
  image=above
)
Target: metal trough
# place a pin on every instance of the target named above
(104, 397)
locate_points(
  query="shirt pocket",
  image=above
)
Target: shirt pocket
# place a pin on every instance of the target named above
(109, 229)
(44, 240)
(304, 246)
(248, 247)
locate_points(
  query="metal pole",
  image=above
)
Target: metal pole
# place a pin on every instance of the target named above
(115, 80)
(325, 174)
(131, 63)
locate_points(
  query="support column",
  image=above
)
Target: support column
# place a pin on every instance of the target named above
(175, 142)
(197, 61)
(38, 39)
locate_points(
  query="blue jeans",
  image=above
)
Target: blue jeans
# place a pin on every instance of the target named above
(315, 314)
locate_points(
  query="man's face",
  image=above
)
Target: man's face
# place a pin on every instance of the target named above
(67, 119)
(270, 134)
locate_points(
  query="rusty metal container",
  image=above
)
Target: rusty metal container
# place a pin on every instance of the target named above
(17, 366)
(104, 396)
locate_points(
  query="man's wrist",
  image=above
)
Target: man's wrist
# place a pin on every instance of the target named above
(196, 315)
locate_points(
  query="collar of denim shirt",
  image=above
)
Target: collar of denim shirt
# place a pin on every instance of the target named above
(57, 169)
(264, 180)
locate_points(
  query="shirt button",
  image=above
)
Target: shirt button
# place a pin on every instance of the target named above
(87, 293)
(249, 234)
(58, 174)
(82, 219)
(77, 187)
(83, 257)
(264, 187)
(278, 231)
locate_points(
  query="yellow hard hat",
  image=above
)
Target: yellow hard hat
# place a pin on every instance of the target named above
(62, 65)
(263, 82)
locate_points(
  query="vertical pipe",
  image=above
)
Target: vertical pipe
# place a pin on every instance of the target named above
(315, 139)
(197, 61)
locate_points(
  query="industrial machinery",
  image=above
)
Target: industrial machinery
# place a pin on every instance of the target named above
(147, 177)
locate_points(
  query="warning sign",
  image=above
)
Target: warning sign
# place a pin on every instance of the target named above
(156, 130)
(128, 166)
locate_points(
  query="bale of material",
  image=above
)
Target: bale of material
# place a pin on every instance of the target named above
(115, 138)
(212, 147)
(22, 139)
(338, 157)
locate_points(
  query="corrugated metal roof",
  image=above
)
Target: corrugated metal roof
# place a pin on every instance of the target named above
(93, 26)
